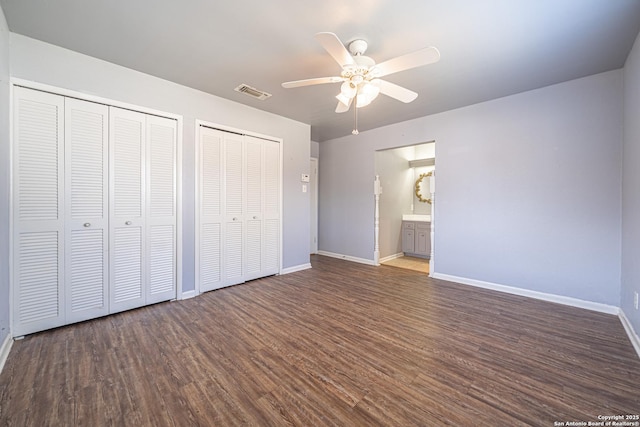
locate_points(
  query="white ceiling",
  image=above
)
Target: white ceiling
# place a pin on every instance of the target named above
(489, 48)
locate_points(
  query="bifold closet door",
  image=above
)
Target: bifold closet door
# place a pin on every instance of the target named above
(210, 202)
(235, 209)
(143, 209)
(270, 256)
(262, 208)
(94, 210)
(38, 211)
(161, 249)
(127, 227)
(239, 208)
(86, 210)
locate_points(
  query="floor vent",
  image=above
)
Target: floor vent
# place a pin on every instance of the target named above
(252, 91)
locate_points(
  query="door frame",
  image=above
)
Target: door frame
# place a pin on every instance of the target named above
(313, 210)
(377, 193)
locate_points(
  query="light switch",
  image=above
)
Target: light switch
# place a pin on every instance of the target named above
(304, 188)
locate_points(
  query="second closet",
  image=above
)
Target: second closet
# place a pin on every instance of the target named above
(238, 235)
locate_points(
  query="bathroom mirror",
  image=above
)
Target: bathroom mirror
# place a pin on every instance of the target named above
(422, 186)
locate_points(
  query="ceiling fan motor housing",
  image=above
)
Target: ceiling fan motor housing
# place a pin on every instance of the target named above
(358, 47)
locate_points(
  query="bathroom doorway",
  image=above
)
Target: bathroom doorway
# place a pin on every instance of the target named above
(404, 223)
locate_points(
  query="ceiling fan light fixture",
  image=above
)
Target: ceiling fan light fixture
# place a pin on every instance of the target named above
(343, 99)
(348, 90)
(360, 73)
(367, 92)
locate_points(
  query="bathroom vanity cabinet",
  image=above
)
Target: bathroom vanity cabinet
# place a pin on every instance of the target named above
(416, 238)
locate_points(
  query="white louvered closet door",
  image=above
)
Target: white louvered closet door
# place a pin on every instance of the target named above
(235, 207)
(86, 210)
(271, 209)
(210, 202)
(161, 209)
(254, 202)
(127, 225)
(38, 221)
(239, 208)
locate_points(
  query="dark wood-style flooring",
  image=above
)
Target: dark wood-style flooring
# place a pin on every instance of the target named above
(341, 344)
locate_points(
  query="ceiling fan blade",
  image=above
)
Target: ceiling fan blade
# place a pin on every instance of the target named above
(342, 108)
(397, 92)
(309, 82)
(335, 48)
(418, 58)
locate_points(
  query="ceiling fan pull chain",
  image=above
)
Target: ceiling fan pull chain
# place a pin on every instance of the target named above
(355, 115)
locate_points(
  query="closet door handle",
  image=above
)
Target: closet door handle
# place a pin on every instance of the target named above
(255, 217)
(235, 219)
(86, 224)
(127, 223)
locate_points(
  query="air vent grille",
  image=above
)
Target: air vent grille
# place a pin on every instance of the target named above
(252, 91)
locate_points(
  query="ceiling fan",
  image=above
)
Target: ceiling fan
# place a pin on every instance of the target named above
(360, 74)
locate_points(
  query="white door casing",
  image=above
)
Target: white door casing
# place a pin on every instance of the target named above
(313, 197)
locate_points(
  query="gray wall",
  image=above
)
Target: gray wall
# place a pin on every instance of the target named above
(528, 188)
(631, 188)
(4, 178)
(315, 149)
(44, 63)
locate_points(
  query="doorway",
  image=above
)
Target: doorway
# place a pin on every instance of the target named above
(404, 209)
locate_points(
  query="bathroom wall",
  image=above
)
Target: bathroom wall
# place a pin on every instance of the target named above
(422, 151)
(419, 207)
(396, 179)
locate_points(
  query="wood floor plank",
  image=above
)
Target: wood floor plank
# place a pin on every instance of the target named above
(341, 344)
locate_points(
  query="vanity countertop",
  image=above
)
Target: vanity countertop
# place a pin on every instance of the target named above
(416, 217)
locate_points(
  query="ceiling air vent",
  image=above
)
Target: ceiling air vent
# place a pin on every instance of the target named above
(252, 91)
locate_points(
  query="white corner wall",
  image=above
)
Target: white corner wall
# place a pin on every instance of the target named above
(631, 188)
(48, 64)
(4, 183)
(528, 189)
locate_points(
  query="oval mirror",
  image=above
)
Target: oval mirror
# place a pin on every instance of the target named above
(422, 185)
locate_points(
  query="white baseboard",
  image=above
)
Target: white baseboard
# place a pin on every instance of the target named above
(559, 299)
(348, 258)
(295, 268)
(4, 350)
(390, 257)
(189, 294)
(633, 336)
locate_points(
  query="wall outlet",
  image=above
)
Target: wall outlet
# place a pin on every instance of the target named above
(635, 300)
